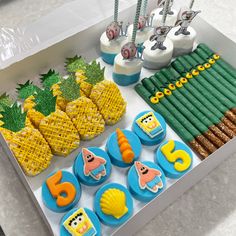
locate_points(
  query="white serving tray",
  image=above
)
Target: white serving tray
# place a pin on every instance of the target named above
(53, 57)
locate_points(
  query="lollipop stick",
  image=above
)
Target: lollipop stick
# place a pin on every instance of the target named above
(191, 4)
(116, 10)
(165, 11)
(144, 8)
(138, 9)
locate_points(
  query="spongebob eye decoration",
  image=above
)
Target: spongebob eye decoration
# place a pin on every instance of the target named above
(178, 84)
(160, 94)
(207, 65)
(80, 222)
(216, 56)
(211, 61)
(195, 72)
(189, 75)
(201, 68)
(167, 92)
(183, 80)
(171, 87)
(154, 100)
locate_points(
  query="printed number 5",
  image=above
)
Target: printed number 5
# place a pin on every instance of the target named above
(56, 189)
(176, 155)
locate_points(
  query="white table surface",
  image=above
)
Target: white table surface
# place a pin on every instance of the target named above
(207, 209)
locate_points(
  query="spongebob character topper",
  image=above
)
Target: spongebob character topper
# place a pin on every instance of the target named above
(94, 166)
(149, 178)
(161, 4)
(79, 224)
(150, 124)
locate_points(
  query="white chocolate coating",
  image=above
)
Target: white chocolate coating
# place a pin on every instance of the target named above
(127, 67)
(142, 35)
(170, 19)
(111, 46)
(157, 59)
(183, 44)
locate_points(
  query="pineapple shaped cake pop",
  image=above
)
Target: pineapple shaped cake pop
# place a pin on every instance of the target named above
(82, 111)
(56, 127)
(27, 144)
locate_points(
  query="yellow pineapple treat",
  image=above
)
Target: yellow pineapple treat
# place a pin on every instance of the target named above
(107, 96)
(27, 144)
(56, 127)
(81, 110)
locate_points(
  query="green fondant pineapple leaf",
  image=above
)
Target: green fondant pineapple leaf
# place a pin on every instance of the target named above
(70, 88)
(27, 89)
(13, 118)
(50, 78)
(94, 73)
(5, 100)
(75, 63)
(45, 102)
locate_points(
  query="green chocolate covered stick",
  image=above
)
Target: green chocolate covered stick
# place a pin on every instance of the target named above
(180, 117)
(172, 121)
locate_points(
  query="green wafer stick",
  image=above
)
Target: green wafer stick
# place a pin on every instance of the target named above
(229, 68)
(172, 121)
(202, 91)
(188, 125)
(220, 70)
(220, 77)
(202, 123)
(213, 81)
(208, 87)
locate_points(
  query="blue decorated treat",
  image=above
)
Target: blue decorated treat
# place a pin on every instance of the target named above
(146, 180)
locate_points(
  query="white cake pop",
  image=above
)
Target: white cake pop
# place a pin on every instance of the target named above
(183, 38)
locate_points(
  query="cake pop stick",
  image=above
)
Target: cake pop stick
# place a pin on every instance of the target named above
(214, 64)
(196, 99)
(172, 121)
(204, 125)
(225, 65)
(179, 116)
(113, 38)
(182, 66)
(128, 63)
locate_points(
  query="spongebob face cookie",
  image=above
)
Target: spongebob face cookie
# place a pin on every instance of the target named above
(150, 127)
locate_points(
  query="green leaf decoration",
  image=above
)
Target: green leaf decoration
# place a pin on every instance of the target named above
(70, 88)
(13, 118)
(94, 73)
(27, 89)
(5, 100)
(75, 63)
(45, 102)
(50, 78)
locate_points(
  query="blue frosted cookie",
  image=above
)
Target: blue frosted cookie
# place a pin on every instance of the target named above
(150, 127)
(123, 147)
(61, 191)
(146, 180)
(92, 166)
(175, 158)
(113, 204)
(80, 221)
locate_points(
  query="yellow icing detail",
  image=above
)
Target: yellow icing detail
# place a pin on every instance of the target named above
(173, 156)
(78, 224)
(149, 124)
(159, 94)
(189, 75)
(207, 65)
(183, 80)
(201, 68)
(211, 61)
(171, 87)
(216, 56)
(113, 202)
(167, 92)
(195, 72)
(178, 84)
(154, 100)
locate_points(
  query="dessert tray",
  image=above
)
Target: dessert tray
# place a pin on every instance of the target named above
(142, 211)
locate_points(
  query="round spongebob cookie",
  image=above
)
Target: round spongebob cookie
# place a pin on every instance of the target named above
(146, 180)
(92, 166)
(61, 191)
(123, 147)
(113, 204)
(81, 222)
(150, 127)
(175, 158)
